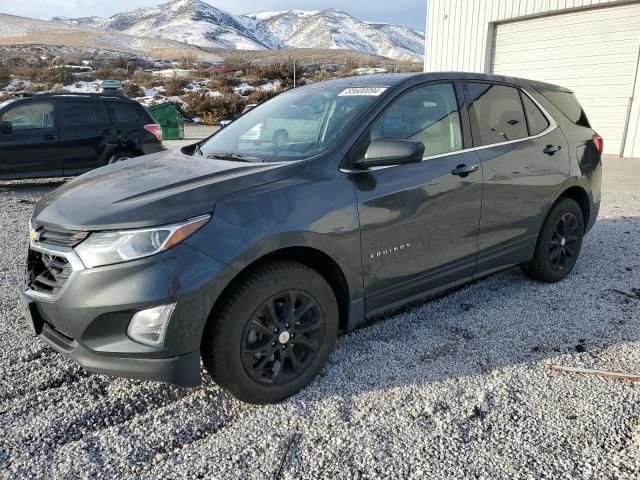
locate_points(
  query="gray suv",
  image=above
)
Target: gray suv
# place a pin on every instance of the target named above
(252, 256)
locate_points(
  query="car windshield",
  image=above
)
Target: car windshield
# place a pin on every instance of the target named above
(294, 125)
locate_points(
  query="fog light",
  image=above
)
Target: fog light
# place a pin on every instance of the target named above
(150, 326)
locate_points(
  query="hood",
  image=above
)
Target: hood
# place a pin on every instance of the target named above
(153, 190)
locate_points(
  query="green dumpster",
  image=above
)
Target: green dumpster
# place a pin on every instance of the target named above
(171, 118)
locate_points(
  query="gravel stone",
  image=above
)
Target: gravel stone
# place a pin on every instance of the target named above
(452, 388)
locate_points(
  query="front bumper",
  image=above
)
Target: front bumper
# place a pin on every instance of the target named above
(88, 321)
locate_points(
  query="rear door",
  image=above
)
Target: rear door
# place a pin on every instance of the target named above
(32, 148)
(525, 162)
(85, 134)
(419, 222)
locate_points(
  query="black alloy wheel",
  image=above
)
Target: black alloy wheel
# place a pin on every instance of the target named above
(564, 240)
(282, 338)
(559, 243)
(272, 333)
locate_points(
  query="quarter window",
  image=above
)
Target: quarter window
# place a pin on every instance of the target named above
(428, 114)
(31, 116)
(538, 123)
(127, 113)
(496, 111)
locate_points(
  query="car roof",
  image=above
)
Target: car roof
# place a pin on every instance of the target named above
(397, 79)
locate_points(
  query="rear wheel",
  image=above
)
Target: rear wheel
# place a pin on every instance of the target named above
(559, 243)
(272, 334)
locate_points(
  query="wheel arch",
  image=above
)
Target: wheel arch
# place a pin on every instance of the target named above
(313, 258)
(581, 197)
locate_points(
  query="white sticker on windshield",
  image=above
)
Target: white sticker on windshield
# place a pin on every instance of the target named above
(362, 91)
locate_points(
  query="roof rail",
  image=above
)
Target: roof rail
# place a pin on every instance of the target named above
(75, 94)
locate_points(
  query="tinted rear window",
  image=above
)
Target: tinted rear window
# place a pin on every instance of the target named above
(82, 113)
(496, 111)
(568, 104)
(127, 113)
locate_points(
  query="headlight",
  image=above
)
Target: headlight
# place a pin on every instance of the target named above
(106, 248)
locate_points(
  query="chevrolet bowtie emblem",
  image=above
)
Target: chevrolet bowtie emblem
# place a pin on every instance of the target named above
(34, 235)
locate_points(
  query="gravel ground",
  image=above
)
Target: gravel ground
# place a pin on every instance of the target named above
(452, 388)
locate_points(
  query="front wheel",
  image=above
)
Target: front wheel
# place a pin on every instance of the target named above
(559, 243)
(272, 334)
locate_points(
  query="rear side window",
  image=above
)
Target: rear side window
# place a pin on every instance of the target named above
(79, 113)
(538, 123)
(496, 112)
(568, 104)
(127, 113)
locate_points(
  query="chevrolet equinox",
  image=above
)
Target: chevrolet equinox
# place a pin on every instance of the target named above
(251, 252)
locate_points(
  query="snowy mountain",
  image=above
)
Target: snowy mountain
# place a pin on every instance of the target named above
(198, 23)
(335, 29)
(187, 21)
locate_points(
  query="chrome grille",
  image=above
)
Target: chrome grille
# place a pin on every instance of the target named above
(63, 238)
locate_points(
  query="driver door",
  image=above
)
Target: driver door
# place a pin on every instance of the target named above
(419, 222)
(32, 148)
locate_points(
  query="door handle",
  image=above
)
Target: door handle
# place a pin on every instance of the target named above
(107, 132)
(464, 170)
(551, 149)
(50, 137)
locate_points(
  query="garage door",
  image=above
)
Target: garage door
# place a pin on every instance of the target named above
(593, 52)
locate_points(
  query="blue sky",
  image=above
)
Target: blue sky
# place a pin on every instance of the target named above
(411, 13)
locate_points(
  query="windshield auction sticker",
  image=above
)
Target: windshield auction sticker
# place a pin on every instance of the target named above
(362, 91)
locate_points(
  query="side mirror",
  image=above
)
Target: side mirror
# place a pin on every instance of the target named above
(6, 127)
(387, 152)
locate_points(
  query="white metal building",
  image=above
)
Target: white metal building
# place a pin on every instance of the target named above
(589, 46)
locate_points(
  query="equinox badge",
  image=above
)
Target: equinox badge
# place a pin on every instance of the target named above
(387, 251)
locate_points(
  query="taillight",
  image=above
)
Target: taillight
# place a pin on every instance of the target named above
(599, 142)
(155, 129)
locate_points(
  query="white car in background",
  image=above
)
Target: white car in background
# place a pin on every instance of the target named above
(298, 124)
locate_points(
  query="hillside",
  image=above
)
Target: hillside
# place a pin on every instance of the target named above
(55, 37)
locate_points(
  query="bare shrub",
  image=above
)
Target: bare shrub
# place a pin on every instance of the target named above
(144, 79)
(259, 96)
(175, 86)
(133, 90)
(214, 108)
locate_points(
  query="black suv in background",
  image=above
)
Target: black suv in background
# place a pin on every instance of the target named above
(252, 256)
(50, 135)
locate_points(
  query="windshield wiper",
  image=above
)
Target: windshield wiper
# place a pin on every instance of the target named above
(236, 157)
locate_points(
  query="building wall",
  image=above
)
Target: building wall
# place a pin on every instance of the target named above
(459, 37)
(459, 32)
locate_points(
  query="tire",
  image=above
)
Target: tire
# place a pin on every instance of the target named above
(120, 157)
(280, 138)
(559, 243)
(245, 354)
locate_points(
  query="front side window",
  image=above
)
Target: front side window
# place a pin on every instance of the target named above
(78, 113)
(428, 114)
(295, 125)
(496, 111)
(31, 116)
